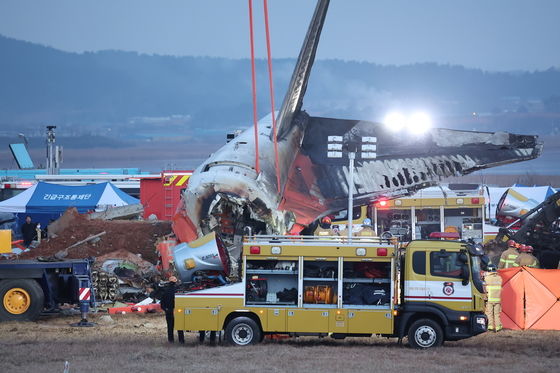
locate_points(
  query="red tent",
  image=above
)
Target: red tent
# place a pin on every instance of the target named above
(530, 298)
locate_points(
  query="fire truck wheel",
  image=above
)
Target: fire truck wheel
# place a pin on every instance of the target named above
(242, 331)
(425, 333)
(20, 299)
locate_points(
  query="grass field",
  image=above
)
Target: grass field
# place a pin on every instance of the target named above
(137, 343)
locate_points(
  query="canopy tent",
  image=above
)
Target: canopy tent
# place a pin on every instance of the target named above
(530, 298)
(45, 202)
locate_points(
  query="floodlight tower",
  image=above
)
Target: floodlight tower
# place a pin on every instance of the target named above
(54, 153)
(365, 148)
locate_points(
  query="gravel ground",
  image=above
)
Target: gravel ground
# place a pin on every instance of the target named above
(138, 343)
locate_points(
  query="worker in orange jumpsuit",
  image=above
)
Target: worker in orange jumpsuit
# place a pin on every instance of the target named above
(493, 290)
(526, 258)
(508, 256)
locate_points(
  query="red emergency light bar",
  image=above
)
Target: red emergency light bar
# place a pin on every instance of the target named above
(18, 185)
(381, 203)
(448, 235)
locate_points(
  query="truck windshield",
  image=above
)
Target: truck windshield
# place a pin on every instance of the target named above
(476, 273)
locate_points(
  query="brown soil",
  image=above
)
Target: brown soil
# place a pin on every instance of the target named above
(138, 237)
(137, 343)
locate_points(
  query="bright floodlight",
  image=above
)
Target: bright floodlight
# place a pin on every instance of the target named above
(419, 123)
(395, 121)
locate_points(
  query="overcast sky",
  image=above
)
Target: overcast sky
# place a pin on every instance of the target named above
(494, 35)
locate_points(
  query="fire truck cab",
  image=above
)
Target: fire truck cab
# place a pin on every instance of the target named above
(430, 291)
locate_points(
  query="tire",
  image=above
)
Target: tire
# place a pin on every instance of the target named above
(425, 333)
(242, 331)
(20, 300)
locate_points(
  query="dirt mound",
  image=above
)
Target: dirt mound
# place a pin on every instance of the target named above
(138, 237)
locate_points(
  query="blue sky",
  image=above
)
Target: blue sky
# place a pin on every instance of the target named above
(496, 35)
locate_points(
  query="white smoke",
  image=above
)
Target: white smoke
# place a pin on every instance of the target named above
(330, 97)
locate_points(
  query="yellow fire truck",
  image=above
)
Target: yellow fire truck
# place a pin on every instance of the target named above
(429, 291)
(459, 208)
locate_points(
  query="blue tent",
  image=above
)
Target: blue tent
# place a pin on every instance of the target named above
(45, 202)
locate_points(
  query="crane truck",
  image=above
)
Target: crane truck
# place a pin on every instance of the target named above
(429, 291)
(30, 287)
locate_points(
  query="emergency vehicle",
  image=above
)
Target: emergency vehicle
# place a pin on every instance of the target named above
(429, 291)
(459, 208)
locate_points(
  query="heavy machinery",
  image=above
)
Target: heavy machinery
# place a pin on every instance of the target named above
(538, 226)
(29, 287)
(430, 291)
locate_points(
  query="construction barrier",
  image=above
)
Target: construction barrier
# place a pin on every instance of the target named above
(530, 298)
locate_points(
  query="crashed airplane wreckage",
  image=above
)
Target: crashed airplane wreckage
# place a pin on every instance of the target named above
(226, 193)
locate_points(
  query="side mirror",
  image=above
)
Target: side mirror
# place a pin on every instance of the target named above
(465, 274)
(484, 261)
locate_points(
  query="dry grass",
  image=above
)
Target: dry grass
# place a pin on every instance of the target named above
(138, 343)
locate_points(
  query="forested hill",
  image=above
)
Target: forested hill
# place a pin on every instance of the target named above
(40, 84)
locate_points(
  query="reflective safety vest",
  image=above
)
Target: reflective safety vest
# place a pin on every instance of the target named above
(508, 258)
(527, 260)
(324, 232)
(366, 232)
(493, 284)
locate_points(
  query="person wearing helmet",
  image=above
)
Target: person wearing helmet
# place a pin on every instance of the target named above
(509, 256)
(324, 228)
(493, 291)
(367, 229)
(526, 258)
(167, 304)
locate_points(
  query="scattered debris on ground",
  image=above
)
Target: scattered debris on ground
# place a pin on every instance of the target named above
(136, 237)
(124, 252)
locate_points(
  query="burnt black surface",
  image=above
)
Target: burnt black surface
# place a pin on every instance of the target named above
(404, 162)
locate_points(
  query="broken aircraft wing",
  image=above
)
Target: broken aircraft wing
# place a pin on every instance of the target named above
(403, 162)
